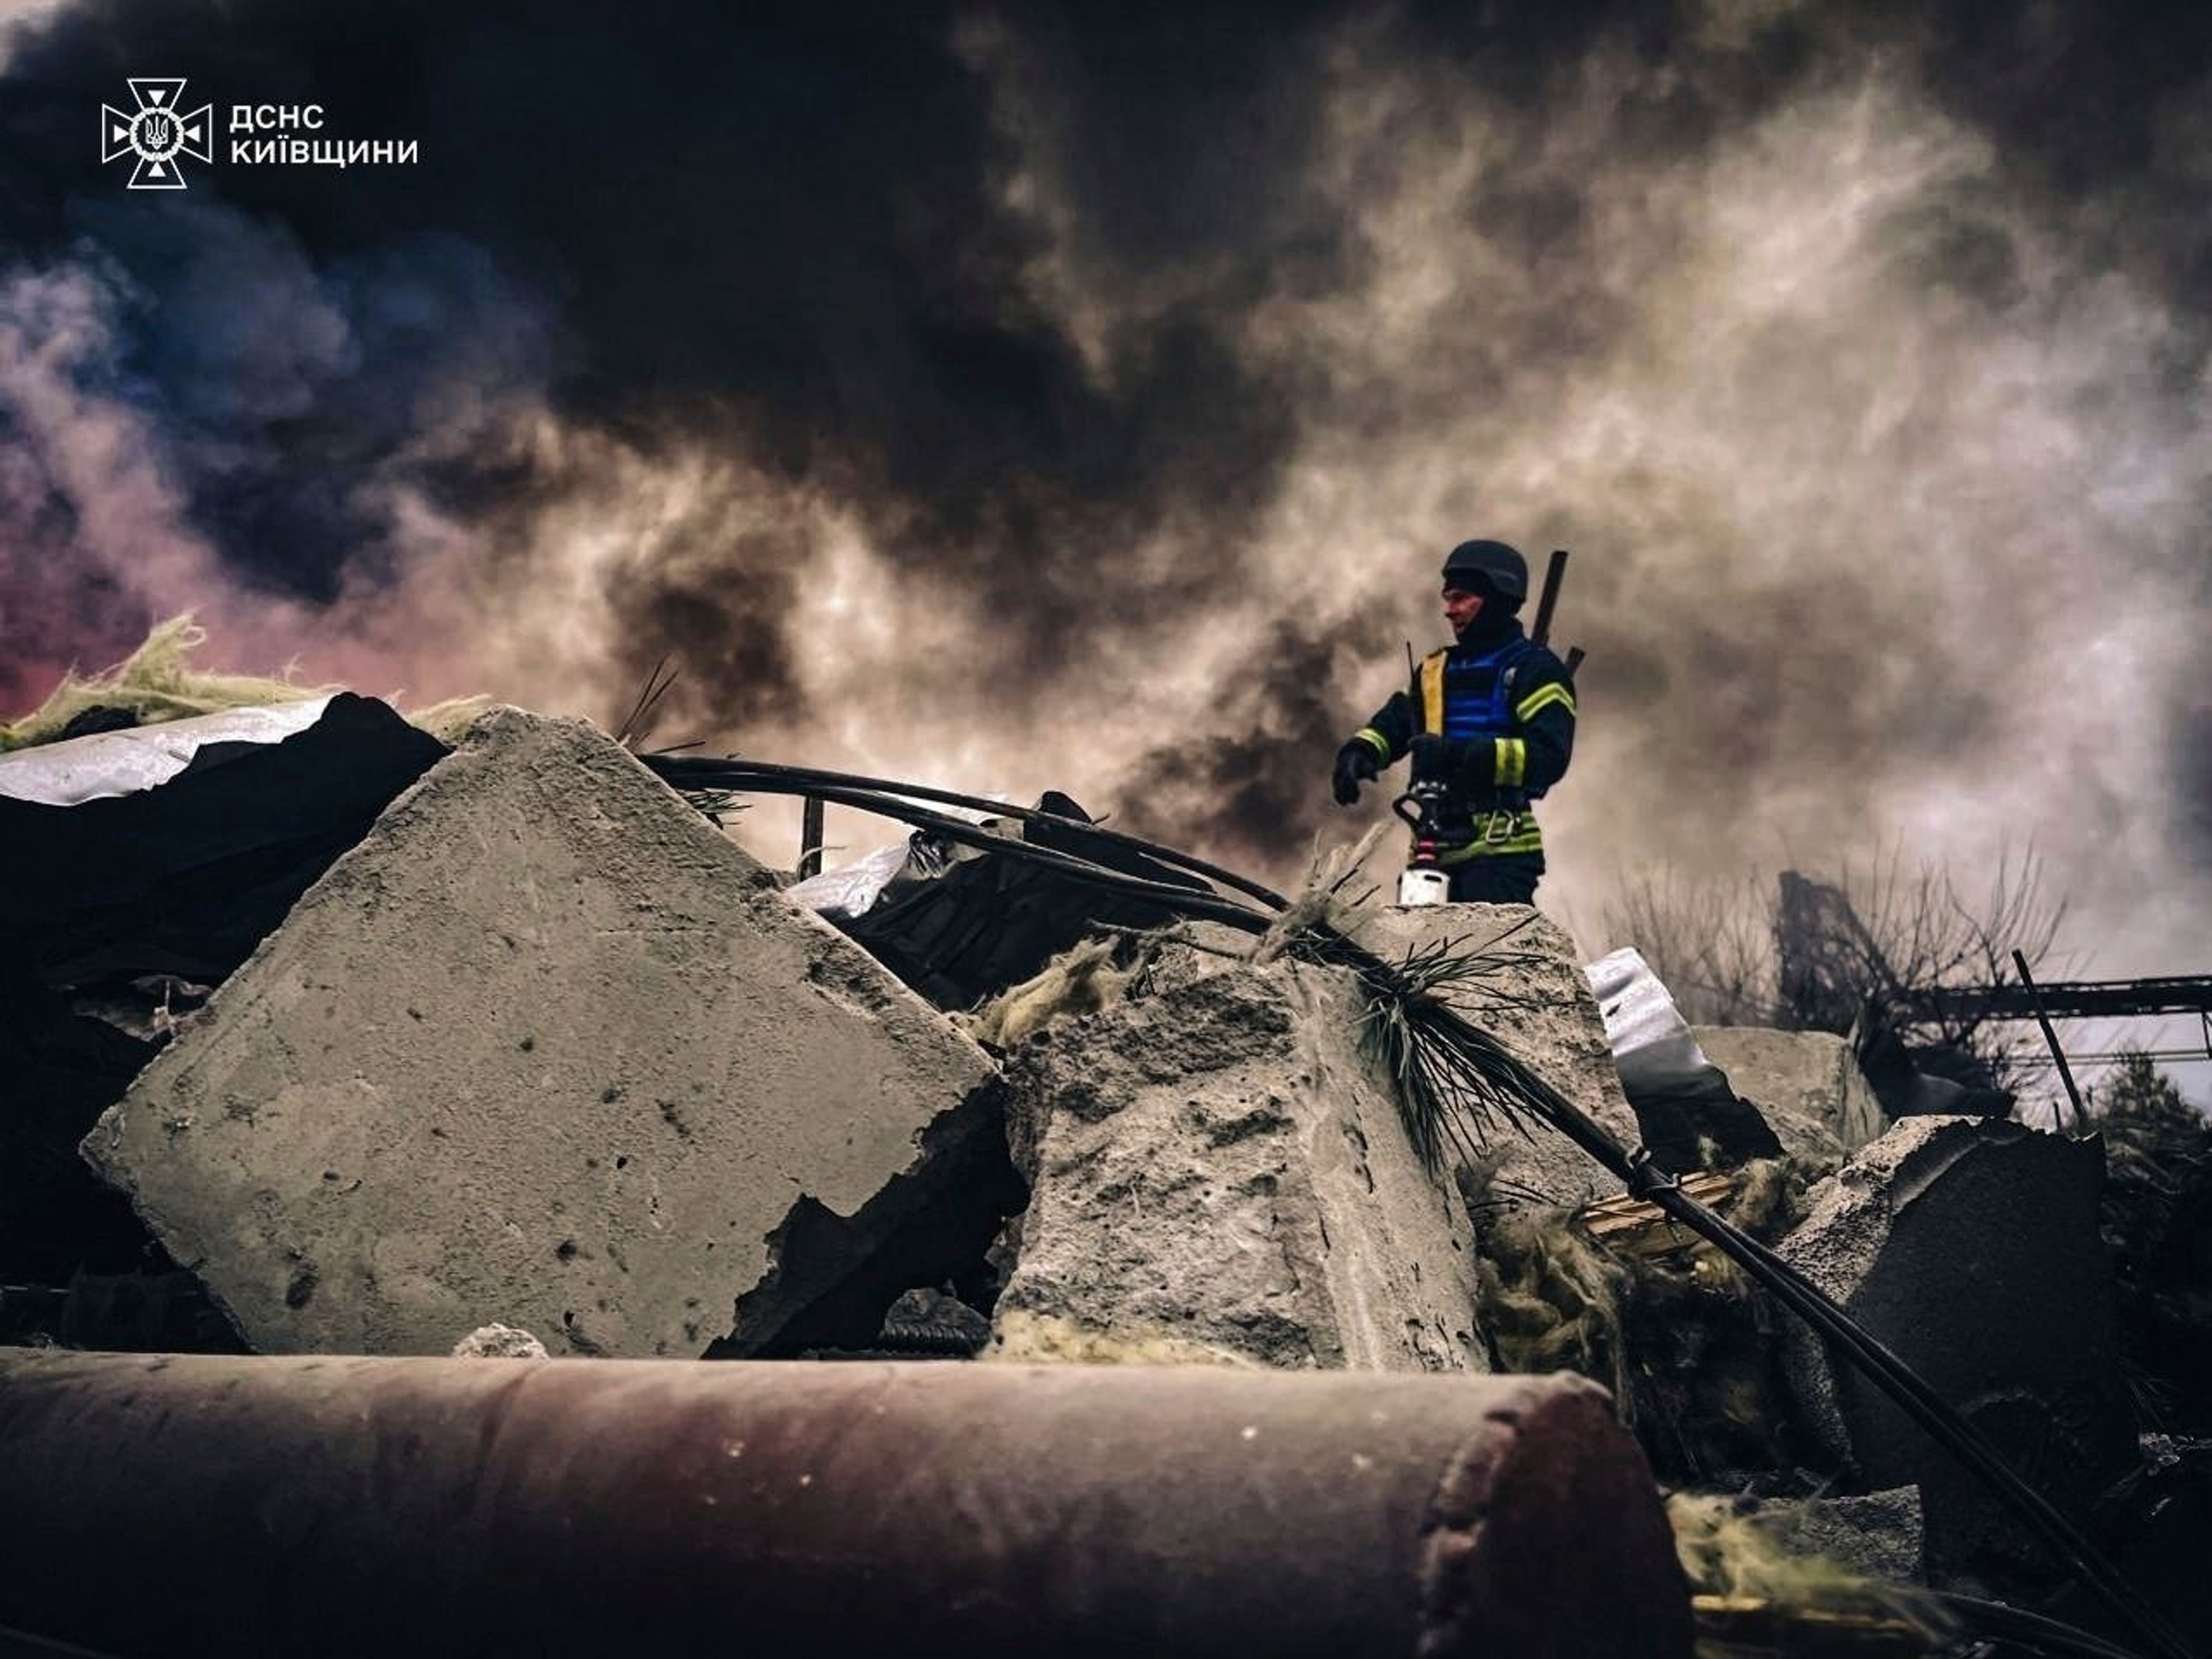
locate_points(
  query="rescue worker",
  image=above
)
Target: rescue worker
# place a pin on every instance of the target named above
(1491, 717)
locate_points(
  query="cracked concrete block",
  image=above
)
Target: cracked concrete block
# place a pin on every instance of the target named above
(1970, 1247)
(1806, 1084)
(1219, 1176)
(1552, 1025)
(545, 1042)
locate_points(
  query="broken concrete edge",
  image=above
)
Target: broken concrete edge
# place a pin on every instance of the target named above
(470, 716)
(831, 1280)
(697, 892)
(1890, 1174)
(1219, 1173)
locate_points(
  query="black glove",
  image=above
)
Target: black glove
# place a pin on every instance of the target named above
(1357, 763)
(1439, 760)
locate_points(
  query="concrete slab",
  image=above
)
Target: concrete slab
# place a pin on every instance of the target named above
(1970, 1247)
(1805, 1084)
(1219, 1175)
(544, 1048)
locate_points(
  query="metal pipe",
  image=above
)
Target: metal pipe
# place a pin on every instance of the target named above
(370, 1506)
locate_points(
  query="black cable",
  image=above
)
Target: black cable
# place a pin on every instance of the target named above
(765, 777)
(1192, 902)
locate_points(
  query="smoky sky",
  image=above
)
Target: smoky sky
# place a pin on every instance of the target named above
(1082, 397)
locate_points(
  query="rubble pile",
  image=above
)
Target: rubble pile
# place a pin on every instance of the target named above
(338, 1039)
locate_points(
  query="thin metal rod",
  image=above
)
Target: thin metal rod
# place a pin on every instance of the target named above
(810, 837)
(2050, 1039)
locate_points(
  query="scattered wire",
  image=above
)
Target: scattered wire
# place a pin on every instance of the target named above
(639, 720)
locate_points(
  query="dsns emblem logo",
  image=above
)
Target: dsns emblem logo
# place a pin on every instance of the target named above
(158, 133)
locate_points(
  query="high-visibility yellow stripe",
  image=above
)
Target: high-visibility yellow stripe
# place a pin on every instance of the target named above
(1531, 842)
(1511, 765)
(1542, 698)
(1525, 837)
(1432, 692)
(1369, 735)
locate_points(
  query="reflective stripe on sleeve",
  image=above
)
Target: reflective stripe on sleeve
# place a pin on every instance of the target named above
(1542, 698)
(1511, 766)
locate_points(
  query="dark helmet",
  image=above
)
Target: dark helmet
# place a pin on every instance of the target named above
(1491, 568)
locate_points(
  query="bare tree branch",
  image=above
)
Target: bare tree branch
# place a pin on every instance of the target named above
(1811, 955)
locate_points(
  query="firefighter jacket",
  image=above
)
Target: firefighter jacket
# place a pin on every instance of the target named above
(1509, 707)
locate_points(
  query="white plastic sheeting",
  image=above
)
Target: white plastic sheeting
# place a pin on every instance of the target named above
(1653, 1047)
(123, 763)
(851, 889)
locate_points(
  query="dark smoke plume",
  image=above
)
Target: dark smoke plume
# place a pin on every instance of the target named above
(1081, 397)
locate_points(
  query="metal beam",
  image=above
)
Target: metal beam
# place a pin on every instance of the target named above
(2106, 999)
(355, 1506)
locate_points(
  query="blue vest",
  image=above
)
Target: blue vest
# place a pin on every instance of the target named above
(1471, 696)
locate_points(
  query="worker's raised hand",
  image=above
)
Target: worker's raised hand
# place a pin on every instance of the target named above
(1357, 763)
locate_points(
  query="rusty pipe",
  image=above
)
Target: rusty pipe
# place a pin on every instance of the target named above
(368, 1505)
